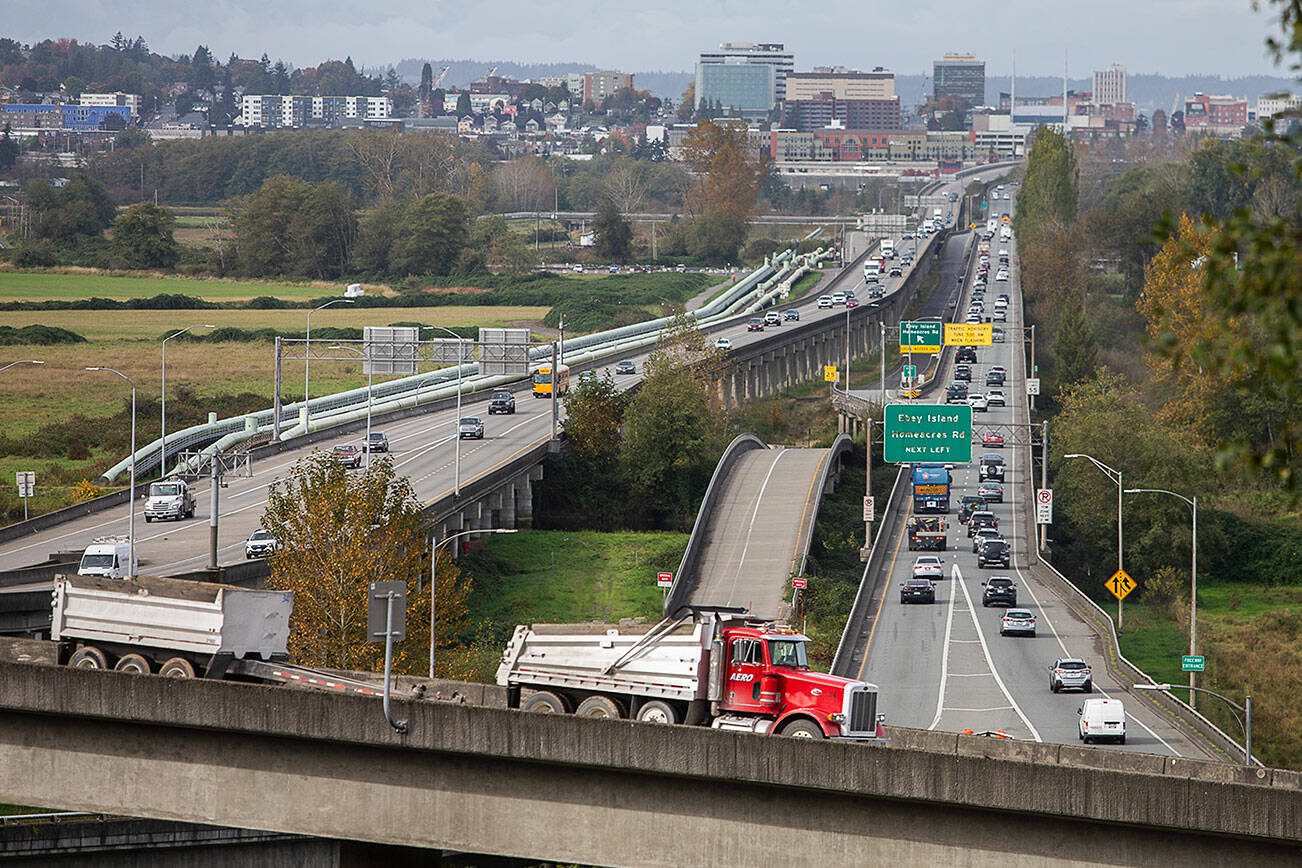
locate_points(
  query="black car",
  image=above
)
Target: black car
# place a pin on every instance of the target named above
(375, 442)
(994, 378)
(917, 591)
(999, 591)
(966, 354)
(501, 401)
(963, 372)
(995, 553)
(968, 504)
(625, 366)
(956, 393)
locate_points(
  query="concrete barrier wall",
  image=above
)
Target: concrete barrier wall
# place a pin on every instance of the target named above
(561, 788)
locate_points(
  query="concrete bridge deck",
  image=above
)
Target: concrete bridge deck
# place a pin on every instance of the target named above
(566, 789)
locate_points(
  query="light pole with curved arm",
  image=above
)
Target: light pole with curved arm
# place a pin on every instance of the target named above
(1115, 476)
(162, 461)
(1193, 583)
(131, 522)
(456, 442)
(1246, 708)
(433, 577)
(307, 358)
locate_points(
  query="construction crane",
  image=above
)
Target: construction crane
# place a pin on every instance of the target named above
(438, 79)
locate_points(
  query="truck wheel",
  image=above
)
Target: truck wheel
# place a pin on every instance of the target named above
(177, 667)
(136, 664)
(802, 729)
(545, 702)
(599, 706)
(88, 657)
(656, 711)
(148, 519)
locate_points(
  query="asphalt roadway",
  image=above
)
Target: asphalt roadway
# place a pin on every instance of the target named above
(944, 666)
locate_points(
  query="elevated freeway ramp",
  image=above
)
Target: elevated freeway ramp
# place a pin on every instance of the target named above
(755, 525)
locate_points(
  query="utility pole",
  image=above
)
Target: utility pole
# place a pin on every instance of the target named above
(555, 385)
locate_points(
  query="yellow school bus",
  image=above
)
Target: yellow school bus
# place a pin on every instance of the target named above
(542, 381)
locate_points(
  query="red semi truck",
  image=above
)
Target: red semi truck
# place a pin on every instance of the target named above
(705, 666)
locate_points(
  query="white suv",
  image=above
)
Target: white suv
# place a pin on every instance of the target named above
(824, 302)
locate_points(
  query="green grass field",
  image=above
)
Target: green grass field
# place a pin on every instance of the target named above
(564, 577)
(73, 285)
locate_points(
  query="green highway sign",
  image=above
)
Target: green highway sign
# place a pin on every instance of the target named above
(928, 432)
(921, 336)
(910, 371)
(1193, 663)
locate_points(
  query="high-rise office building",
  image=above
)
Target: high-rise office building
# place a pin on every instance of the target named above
(772, 54)
(961, 76)
(736, 88)
(1110, 85)
(837, 82)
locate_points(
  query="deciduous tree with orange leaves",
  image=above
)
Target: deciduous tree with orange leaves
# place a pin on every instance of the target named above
(339, 531)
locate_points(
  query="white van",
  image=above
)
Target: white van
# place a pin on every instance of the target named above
(1102, 719)
(108, 557)
(888, 248)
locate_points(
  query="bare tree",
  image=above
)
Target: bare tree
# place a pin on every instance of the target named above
(625, 185)
(379, 154)
(524, 184)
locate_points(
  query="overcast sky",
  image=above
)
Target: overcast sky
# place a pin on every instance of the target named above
(1172, 37)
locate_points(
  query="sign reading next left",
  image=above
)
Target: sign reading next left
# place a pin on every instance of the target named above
(928, 432)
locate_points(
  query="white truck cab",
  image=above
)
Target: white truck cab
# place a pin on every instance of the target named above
(169, 498)
(109, 557)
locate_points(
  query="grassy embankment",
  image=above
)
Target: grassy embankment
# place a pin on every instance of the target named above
(563, 577)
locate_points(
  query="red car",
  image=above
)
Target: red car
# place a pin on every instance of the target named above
(993, 439)
(755, 325)
(852, 302)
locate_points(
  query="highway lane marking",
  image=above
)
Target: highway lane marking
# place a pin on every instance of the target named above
(750, 530)
(890, 571)
(944, 652)
(979, 710)
(985, 649)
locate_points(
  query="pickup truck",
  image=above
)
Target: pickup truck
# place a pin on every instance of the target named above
(501, 401)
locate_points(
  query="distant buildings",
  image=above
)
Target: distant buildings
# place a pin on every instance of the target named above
(1223, 116)
(736, 75)
(1274, 106)
(285, 110)
(837, 97)
(29, 119)
(597, 86)
(1110, 85)
(961, 77)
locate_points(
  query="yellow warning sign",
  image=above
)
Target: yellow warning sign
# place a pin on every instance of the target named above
(829, 373)
(1120, 584)
(969, 334)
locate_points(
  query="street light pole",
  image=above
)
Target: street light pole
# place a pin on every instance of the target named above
(1246, 708)
(1115, 476)
(433, 577)
(370, 379)
(131, 521)
(21, 362)
(1193, 582)
(456, 427)
(162, 461)
(307, 359)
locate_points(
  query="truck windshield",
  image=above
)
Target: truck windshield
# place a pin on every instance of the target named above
(164, 489)
(788, 653)
(97, 562)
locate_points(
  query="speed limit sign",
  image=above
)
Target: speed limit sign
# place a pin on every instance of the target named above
(1044, 506)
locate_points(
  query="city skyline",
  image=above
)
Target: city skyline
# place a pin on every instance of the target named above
(1169, 37)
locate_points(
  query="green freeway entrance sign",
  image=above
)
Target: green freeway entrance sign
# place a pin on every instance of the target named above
(1193, 663)
(928, 432)
(921, 336)
(910, 372)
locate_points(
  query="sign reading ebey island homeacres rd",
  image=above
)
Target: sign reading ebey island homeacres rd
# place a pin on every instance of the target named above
(928, 432)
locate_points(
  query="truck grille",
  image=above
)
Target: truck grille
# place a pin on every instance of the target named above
(863, 710)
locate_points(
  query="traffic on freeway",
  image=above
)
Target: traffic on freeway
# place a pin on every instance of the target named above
(421, 447)
(992, 650)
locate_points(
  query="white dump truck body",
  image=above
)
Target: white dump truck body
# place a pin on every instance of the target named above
(665, 660)
(195, 617)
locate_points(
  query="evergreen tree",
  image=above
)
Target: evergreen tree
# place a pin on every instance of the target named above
(614, 234)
